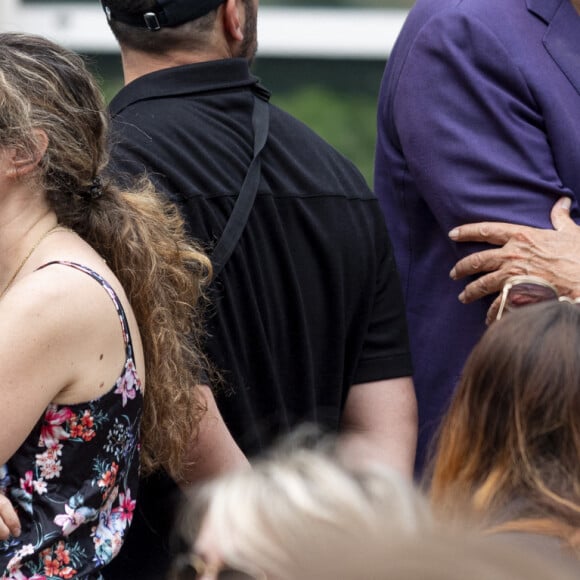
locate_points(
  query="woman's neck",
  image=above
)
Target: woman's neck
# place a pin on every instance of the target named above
(19, 231)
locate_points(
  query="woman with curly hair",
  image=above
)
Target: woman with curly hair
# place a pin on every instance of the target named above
(99, 350)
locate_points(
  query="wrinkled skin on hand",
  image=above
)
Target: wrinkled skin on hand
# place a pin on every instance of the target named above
(550, 254)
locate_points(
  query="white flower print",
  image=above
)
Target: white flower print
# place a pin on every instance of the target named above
(25, 550)
(50, 469)
(39, 486)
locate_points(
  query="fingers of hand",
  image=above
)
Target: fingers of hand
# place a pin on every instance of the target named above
(496, 233)
(4, 531)
(9, 522)
(560, 214)
(485, 261)
(488, 284)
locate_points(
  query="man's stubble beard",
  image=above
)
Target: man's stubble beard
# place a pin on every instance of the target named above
(249, 45)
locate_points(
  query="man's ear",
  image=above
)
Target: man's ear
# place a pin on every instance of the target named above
(233, 15)
(25, 161)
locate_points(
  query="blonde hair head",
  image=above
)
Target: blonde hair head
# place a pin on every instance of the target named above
(295, 505)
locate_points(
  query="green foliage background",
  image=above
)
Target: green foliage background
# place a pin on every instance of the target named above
(346, 121)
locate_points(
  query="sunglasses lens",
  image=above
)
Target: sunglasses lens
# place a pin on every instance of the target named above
(528, 293)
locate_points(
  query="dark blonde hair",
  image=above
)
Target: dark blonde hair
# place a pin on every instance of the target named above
(46, 87)
(509, 449)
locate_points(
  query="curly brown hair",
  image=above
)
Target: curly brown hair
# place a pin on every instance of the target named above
(46, 87)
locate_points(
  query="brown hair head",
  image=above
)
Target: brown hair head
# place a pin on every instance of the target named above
(510, 444)
(48, 88)
(43, 87)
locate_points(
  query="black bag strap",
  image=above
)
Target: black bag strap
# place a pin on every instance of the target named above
(245, 201)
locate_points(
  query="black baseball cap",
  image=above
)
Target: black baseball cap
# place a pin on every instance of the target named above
(164, 13)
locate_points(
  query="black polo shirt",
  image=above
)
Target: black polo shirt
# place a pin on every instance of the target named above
(309, 303)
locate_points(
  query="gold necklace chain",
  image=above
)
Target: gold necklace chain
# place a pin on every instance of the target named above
(30, 252)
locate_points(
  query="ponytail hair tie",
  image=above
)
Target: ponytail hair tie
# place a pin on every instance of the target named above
(96, 188)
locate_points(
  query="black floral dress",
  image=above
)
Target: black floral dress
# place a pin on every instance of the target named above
(74, 479)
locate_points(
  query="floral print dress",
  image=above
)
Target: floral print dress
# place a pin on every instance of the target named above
(74, 479)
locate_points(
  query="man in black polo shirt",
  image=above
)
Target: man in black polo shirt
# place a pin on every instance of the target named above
(307, 321)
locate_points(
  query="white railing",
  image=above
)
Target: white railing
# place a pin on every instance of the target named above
(282, 32)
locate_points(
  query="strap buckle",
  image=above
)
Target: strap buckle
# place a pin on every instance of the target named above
(151, 21)
(261, 91)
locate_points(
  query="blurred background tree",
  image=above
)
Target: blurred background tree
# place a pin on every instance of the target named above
(335, 98)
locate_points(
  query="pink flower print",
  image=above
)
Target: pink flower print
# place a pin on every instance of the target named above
(50, 466)
(18, 575)
(52, 431)
(53, 452)
(126, 507)
(15, 563)
(30, 485)
(49, 462)
(70, 520)
(128, 384)
(27, 483)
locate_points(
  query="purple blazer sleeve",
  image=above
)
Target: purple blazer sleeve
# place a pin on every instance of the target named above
(471, 129)
(478, 119)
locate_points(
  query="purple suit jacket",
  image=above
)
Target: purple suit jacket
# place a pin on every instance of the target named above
(479, 119)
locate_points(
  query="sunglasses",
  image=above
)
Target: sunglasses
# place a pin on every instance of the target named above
(520, 291)
(192, 567)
